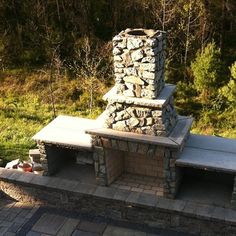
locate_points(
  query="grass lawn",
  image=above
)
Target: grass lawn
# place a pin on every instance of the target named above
(26, 107)
(18, 123)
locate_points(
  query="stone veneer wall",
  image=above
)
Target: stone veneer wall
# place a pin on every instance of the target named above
(172, 174)
(43, 158)
(233, 201)
(183, 216)
(165, 164)
(140, 119)
(139, 58)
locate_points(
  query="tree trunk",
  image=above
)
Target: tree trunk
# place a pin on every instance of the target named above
(187, 38)
(222, 30)
(163, 14)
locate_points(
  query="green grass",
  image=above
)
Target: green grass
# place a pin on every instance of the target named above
(20, 118)
(26, 107)
(20, 121)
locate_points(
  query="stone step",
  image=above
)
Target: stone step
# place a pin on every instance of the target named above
(34, 155)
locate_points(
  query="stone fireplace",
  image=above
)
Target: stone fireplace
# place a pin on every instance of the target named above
(142, 163)
(135, 143)
(142, 135)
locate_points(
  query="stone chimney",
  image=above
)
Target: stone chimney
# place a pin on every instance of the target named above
(140, 102)
(139, 57)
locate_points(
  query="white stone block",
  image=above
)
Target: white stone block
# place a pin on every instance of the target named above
(133, 80)
(133, 43)
(116, 51)
(137, 55)
(129, 93)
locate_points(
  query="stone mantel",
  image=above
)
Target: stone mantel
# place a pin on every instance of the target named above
(127, 136)
(159, 102)
(174, 140)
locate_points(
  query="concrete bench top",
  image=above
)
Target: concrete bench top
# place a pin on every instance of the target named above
(212, 143)
(209, 152)
(76, 132)
(68, 131)
(181, 130)
(133, 137)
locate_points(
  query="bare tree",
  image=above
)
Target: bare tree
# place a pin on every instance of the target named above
(163, 12)
(90, 67)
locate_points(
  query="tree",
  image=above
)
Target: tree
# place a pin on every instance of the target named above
(229, 90)
(206, 70)
(91, 66)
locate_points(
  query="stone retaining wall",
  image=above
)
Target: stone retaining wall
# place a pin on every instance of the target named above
(202, 220)
(233, 201)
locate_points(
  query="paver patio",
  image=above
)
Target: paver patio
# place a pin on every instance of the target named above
(26, 219)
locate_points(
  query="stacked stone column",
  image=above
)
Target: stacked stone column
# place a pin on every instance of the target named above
(43, 157)
(139, 57)
(139, 61)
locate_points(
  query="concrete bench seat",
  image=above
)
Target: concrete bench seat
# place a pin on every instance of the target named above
(209, 152)
(65, 139)
(68, 131)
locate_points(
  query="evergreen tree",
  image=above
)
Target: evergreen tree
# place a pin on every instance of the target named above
(229, 90)
(206, 70)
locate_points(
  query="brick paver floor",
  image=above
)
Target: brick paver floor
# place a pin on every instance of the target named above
(139, 183)
(26, 219)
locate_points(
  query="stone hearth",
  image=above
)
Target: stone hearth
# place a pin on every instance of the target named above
(146, 157)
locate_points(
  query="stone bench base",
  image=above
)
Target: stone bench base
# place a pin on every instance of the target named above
(146, 209)
(210, 153)
(64, 138)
